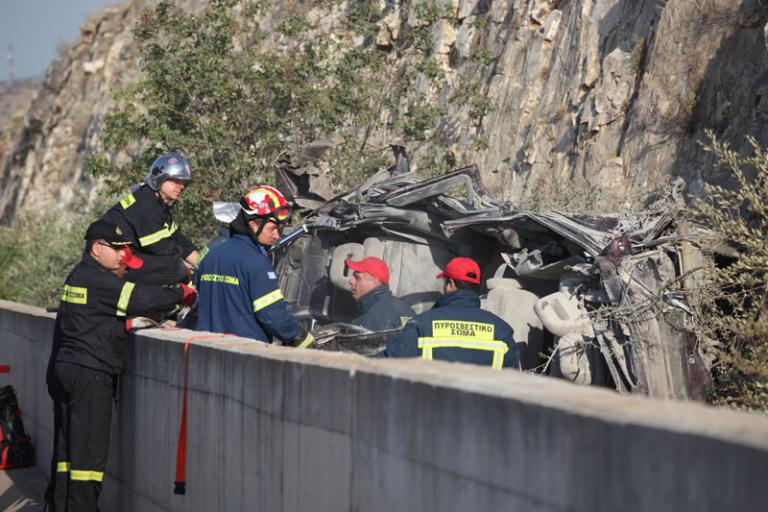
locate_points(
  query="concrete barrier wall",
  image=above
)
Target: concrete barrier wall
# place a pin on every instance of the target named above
(280, 429)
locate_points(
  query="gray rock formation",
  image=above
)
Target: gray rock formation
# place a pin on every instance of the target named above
(585, 94)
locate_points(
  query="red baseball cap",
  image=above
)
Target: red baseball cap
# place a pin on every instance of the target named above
(372, 265)
(462, 269)
(130, 260)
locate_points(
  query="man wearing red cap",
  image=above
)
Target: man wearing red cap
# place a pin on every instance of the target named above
(456, 329)
(380, 310)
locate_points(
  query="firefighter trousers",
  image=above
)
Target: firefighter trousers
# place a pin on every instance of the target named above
(82, 401)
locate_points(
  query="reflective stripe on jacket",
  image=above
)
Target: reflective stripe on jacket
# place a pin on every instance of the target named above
(90, 325)
(148, 222)
(456, 329)
(238, 293)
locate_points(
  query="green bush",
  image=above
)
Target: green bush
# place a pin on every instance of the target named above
(232, 98)
(734, 304)
(37, 256)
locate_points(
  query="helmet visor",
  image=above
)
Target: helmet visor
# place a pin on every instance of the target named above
(282, 214)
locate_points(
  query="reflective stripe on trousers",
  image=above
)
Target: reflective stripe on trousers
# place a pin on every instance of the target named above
(499, 348)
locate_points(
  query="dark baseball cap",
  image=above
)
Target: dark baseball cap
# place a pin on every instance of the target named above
(462, 269)
(110, 233)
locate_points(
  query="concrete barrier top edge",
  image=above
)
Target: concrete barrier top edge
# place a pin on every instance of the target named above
(685, 417)
(26, 309)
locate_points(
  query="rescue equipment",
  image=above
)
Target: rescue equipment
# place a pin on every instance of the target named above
(180, 484)
(16, 449)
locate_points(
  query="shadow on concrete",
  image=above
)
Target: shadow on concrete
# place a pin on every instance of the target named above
(22, 489)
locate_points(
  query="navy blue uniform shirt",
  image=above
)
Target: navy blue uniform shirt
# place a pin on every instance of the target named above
(382, 311)
(456, 329)
(238, 293)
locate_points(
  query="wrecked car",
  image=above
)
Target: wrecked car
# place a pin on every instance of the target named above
(590, 297)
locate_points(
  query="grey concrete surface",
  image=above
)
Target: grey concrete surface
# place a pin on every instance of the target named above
(281, 429)
(22, 489)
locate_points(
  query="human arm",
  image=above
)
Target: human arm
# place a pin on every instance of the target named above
(406, 343)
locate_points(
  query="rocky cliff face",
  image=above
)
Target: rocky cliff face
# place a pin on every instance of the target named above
(584, 94)
(42, 167)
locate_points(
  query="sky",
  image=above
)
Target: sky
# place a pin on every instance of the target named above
(37, 28)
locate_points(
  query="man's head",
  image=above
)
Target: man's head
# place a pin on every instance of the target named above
(460, 274)
(265, 209)
(367, 274)
(169, 175)
(267, 232)
(106, 243)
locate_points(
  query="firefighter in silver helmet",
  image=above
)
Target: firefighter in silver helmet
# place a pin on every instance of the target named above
(145, 216)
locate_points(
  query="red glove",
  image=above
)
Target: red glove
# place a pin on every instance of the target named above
(189, 295)
(128, 325)
(130, 260)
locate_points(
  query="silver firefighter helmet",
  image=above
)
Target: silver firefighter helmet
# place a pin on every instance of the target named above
(168, 166)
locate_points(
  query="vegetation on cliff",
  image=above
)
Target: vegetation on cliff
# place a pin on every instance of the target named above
(233, 97)
(734, 303)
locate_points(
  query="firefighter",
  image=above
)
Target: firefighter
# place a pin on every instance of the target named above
(236, 282)
(88, 355)
(370, 288)
(145, 216)
(456, 329)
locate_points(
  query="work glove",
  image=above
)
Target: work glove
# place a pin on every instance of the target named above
(139, 322)
(189, 295)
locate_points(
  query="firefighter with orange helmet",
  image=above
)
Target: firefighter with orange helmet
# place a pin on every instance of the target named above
(236, 282)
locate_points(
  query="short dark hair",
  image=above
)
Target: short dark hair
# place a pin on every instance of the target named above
(465, 285)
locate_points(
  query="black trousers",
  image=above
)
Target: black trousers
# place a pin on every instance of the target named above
(82, 408)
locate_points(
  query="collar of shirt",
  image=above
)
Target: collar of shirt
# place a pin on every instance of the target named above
(248, 240)
(368, 300)
(460, 298)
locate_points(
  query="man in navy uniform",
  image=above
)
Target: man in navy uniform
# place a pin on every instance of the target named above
(456, 329)
(236, 282)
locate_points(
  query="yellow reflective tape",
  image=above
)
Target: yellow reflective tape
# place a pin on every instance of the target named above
(127, 201)
(96, 476)
(158, 235)
(499, 348)
(62, 467)
(454, 328)
(498, 360)
(125, 297)
(463, 342)
(404, 320)
(267, 300)
(75, 294)
(307, 341)
(217, 278)
(203, 253)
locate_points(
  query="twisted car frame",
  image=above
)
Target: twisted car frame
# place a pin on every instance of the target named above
(595, 299)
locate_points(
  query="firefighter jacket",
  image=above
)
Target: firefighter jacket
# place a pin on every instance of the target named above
(148, 222)
(90, 326)
(381, 310)
(456, 329)
(238, 293)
